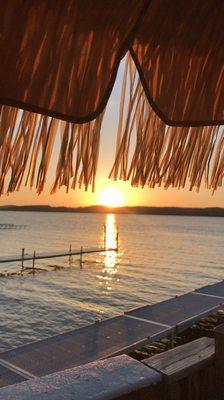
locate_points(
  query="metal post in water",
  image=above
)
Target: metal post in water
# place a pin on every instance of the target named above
(117, 239)
(34, 257)
(104, 236)
(70, 254)
(22, 259)
(80, 260)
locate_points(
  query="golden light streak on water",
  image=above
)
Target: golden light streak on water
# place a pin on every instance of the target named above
(110, 240)
(110, 258)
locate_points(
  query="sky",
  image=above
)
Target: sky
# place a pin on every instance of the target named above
(109, 192)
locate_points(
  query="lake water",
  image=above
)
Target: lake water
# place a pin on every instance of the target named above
(159, 257)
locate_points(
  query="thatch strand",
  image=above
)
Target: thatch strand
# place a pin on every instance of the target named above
(163, 155)
(27, 142)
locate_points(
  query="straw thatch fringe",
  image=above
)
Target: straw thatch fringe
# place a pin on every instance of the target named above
(84, 140)
(26, 145)
(162, 155)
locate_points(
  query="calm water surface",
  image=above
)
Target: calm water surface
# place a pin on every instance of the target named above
(159, 257)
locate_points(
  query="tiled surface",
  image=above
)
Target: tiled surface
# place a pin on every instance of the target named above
(117, 377)
(110, 337)
(215, 290)
(80, 346)
(174, 311)
(8, 377)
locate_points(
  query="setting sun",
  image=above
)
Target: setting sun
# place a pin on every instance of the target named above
(111, 198)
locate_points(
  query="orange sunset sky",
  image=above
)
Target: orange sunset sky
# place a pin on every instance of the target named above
(107, 191)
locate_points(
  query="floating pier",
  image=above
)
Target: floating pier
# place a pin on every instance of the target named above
(12, 226)
(34, 256)
(113, 336)
(43, 256)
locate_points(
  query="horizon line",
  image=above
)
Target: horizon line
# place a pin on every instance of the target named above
(107, 207)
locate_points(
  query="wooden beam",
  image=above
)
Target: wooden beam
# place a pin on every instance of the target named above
(181, 361)
(219, 359)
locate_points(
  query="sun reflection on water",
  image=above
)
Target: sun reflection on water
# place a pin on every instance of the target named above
(110, 242)
(110, 258)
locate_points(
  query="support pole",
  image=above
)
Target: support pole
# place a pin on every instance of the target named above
(80, 260)
(104, 236)
(34, 257)
(70, 254)
(22, 259)
(117, 239)
(219, 360)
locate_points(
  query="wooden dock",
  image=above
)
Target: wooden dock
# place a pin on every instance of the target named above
(113, 336)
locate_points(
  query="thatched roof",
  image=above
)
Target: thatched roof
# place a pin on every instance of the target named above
(59, 61)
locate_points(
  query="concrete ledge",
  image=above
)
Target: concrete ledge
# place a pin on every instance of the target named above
(115, 378)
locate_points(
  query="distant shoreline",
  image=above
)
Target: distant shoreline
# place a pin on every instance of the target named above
(140, 210)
